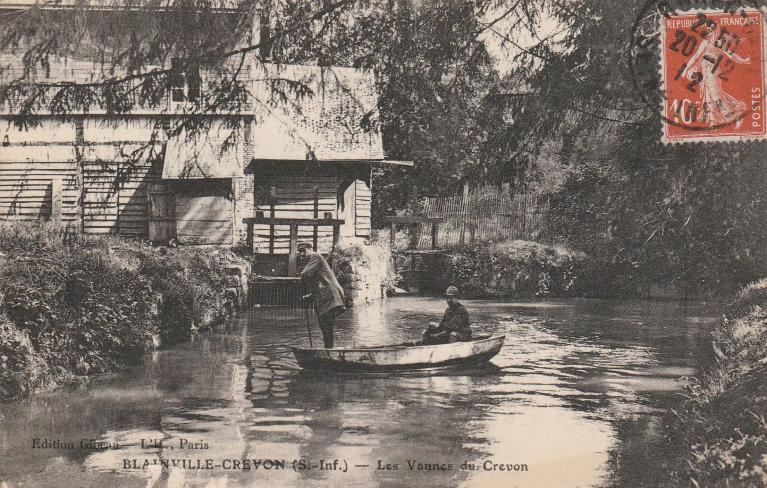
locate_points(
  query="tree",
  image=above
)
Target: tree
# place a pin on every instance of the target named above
(444, 105)
(441, 100)
(672, 214)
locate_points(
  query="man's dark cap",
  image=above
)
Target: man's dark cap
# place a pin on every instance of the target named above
(304, 245)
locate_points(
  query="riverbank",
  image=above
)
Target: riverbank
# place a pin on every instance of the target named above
(719, 434)
(505, 269)
(76, 304)
(516, 268)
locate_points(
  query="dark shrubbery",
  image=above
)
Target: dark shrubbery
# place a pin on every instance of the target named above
(721, 430)
(507, 269)
(20, 368)
(74, 305)
(190, 286)
(673, 219)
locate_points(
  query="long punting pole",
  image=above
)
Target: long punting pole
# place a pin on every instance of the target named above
(307, 319)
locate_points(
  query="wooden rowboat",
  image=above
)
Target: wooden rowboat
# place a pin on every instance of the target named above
(400, 357)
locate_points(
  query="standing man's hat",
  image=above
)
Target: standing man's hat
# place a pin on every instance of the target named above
(451, 291)
(304, 245)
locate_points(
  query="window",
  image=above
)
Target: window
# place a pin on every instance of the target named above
(184, 81)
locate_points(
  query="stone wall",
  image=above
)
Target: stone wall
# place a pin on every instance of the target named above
(365, 271)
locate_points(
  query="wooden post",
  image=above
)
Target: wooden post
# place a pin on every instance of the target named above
(524, 218)
(316, 216)
(161, 202)
(336, 235)
(393, 233)
(293, 253)
(271, 229)
(415, 234)
(472, 233)
(434, 235)
(465, 190)
(414, 200)
(56, 201)
(79, 157)
(249, 237)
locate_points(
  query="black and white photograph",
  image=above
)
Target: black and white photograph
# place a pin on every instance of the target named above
(383, 243)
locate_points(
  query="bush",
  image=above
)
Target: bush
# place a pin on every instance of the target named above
(82, 313)
(753, 294)
(190, 286)
(507, 269)
(74, 304)
(721, 430)
(20, 368)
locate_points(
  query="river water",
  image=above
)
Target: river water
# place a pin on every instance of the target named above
(574, 399)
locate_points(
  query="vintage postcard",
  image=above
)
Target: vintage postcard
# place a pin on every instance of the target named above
(383, 243)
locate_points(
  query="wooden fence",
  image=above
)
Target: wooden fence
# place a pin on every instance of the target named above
(484, 214)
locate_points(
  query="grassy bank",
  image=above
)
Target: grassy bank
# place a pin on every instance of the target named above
(720, 432)
(504, 269)
(76, 305)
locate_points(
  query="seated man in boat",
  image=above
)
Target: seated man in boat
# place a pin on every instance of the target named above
(327, 294)
(454, 326)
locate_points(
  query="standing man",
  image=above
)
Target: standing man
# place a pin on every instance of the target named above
(327, 294)
(454, 326)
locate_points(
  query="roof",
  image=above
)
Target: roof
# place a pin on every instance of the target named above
(217, 152)
(315, 113)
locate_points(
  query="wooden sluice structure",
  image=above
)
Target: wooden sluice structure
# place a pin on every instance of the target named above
(285, 291)
(412, 262)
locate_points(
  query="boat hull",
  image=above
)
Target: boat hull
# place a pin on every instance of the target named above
(400, 357)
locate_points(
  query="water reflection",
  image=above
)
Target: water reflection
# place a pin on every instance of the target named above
(567, 392)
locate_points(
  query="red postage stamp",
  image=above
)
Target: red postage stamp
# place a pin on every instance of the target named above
(713, 69)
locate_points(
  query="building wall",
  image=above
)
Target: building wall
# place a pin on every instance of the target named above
(102, 192)
(115, 190)
(292, 195)
(363, 199)
(30, 161)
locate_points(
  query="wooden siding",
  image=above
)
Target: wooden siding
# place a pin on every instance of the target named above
(204, 212)
(294, 197)
(133, 198)
(29, 165)
(100, 191)
(100, 197)
(363, 197)
(115, 197)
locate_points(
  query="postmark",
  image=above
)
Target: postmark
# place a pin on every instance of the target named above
(701, 69)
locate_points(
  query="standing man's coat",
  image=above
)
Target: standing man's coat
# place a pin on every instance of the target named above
(326, 291)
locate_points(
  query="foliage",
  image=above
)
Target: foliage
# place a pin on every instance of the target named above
(192, 285)
(683, 215)
(677, 217)
(76, 305)
(441, 100)
(441, 104)
(720, 432)
(750, 296)
(506, 269)
(21, 370)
